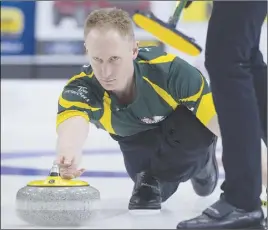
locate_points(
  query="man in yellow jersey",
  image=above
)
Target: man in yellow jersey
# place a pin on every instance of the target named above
(155, 105)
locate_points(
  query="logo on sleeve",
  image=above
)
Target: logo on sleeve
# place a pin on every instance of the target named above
(81, 92)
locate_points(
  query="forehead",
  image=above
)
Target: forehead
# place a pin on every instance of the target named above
(110, 42)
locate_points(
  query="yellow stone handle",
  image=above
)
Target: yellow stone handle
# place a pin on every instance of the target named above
(54, 180)
(57, 181)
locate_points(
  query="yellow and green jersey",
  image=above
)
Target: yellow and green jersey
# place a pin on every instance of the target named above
(163, 82)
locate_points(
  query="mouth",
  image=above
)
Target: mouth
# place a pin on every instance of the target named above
(108, 80)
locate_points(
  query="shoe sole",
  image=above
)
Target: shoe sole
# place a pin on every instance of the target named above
(144, 212)
(138, 210)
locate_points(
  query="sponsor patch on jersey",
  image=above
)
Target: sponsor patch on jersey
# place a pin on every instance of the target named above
(152, 120)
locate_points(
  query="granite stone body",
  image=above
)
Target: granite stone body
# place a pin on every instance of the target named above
(57, 206)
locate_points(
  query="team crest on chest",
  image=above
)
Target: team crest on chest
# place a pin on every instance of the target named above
(152, 120)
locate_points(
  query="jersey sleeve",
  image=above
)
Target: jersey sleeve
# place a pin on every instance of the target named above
(76, 100)
(190, 88)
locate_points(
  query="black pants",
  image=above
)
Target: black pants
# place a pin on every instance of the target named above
(164, 152)
(238, 78)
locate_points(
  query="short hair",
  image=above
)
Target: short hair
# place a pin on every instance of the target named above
(110, 17)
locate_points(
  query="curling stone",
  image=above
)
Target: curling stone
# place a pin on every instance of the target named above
(56, 201)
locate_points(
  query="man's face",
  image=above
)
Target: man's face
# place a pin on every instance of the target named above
(111, 56)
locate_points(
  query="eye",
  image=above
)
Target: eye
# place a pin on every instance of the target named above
(97, 59)
(112, 59)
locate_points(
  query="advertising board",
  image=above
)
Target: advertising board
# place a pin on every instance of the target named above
(17, 27)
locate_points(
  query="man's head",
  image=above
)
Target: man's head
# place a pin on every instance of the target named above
(111, 47)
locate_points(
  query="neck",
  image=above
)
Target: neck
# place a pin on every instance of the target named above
(127, 94)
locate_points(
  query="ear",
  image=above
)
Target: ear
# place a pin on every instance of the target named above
(135, 50)
(85, 48)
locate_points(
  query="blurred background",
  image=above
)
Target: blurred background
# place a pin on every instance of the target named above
(44, 39)
(42, 47)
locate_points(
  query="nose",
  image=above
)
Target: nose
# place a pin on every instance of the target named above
(106, 71)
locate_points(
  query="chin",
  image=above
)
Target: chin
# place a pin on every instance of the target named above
(109, 86)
